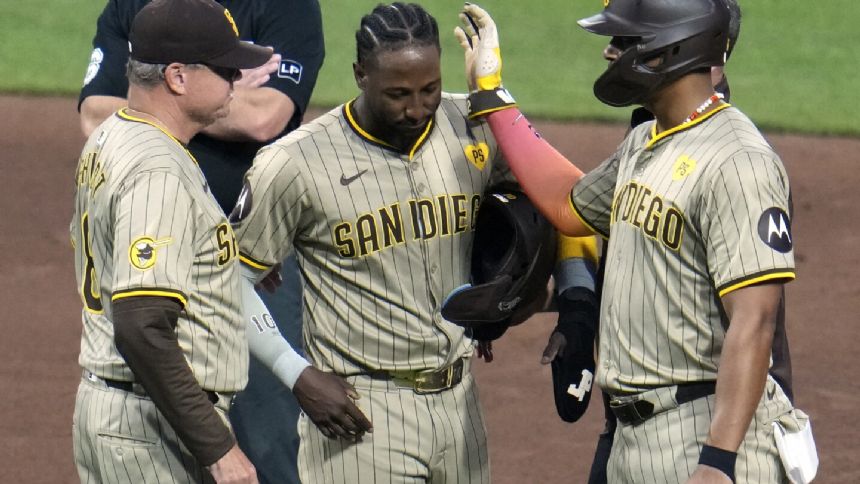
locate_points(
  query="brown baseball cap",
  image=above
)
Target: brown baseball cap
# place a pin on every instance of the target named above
(191, 32)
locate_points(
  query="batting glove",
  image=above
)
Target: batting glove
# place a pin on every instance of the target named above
(480, 41)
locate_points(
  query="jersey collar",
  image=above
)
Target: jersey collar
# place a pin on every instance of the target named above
(347, 113)
(656, 138)
(123, 114)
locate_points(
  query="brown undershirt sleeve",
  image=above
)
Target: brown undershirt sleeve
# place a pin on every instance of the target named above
(144, 333)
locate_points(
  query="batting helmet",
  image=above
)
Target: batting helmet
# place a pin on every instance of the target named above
(513, 255)
(684, 34)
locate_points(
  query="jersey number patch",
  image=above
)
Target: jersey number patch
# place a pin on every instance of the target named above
(89, 286)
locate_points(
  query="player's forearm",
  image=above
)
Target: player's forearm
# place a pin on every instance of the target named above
(740, 382)
(544, 174)
(743, 365)
(256, 114)
(95, 109)
(145, 336)
(265, 341)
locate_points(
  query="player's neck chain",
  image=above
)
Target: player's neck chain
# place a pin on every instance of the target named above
(150, 117)
(704, 106)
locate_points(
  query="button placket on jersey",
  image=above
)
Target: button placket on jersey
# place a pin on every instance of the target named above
(418, 187)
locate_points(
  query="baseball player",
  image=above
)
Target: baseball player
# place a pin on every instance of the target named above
(696, 203)
(378, 199)
(781, 367)
(267, 102)
(164, 346)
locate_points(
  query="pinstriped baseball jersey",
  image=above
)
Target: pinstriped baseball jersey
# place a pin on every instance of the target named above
(145, 224)
(382, 236)
(693, 213)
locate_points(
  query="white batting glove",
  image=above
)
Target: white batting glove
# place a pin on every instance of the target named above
(480, 41)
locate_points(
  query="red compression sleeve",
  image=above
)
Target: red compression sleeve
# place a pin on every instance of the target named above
(545, 175)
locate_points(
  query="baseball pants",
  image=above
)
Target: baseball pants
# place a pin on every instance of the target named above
(665, 448)
(120, 437)
(437, 437)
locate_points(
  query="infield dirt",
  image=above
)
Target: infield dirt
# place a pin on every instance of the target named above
(40, 141)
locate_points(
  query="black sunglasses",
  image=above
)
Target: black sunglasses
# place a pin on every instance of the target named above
(229, 74)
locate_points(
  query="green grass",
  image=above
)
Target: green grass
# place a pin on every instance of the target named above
(795, 67)
(550, 62)
(45, 44)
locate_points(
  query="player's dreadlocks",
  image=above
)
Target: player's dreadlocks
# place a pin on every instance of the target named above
(390, 27)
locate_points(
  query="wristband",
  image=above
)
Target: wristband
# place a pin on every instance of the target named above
(288, 367)
(574, 272)
(720, 459)
(265, 341)
(485, 102)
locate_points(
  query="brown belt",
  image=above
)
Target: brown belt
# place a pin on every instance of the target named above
(429, 381)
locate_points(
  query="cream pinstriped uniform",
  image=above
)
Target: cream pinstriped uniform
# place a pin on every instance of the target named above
(692, 214)
(382, 238)
(145, 224)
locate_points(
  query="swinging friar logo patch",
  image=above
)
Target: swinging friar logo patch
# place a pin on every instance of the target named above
(774, 228)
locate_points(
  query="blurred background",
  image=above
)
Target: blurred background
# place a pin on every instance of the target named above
(795, 68)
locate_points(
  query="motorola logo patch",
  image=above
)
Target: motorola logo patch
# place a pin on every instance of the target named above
(774, 228)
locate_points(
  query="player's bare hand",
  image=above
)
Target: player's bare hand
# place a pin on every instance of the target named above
(485, 350)
(480, 41)
(272, 281)
(329, 401)
(554, 347)
(259, 75)
(708, 475)
(234, 468)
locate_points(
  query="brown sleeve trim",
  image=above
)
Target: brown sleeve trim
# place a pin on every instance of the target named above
(144, 333)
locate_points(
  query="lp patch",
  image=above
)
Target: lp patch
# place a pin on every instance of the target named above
(290, 69)
(143, 252)
(774, 228)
